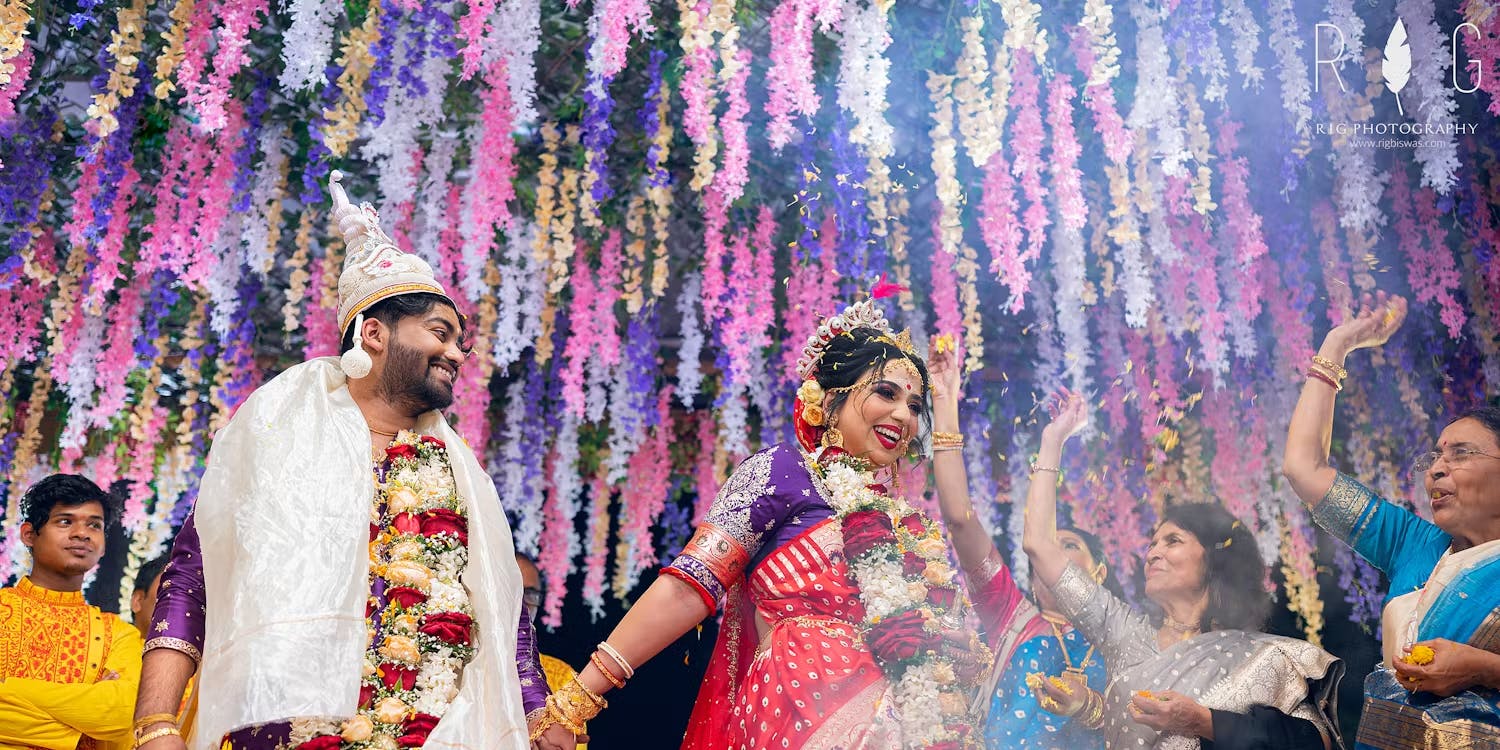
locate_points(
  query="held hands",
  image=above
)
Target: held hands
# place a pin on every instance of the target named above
(1168, 711)
(558, 738)
(1070, 412)
(1451, 669)
(1379, 317)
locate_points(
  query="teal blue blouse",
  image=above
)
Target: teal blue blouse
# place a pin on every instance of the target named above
(1403, 545)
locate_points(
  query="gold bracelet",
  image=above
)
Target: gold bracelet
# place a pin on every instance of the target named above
(150, 719)
(937, 448)
(620, 660)
(1335, 368)
(947, 438)
(544, 722)
(598, 662)
(559, 717)
(156, 734)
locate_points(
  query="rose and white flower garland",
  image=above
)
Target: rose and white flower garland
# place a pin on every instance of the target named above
(422, 637)
(897, 556)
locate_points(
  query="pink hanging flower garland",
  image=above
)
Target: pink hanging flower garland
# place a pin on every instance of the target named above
(1483, 48)
(1067, 179)
(472, 29)
(644, 497)
(1027, 137)
(1002, 232)
(491, 187)
(1430, 267)
(790, 90)
(582, 337)
(1243, 224)
(11, 90)
(945, 295)
(753, 302)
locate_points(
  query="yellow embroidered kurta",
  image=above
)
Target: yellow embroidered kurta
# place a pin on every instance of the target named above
(558, 674)
(55, 653)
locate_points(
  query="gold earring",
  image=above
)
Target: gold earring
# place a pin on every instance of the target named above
(1100, 573)
(832, 438)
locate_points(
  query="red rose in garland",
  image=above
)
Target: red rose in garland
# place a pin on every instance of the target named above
(912, 564)
(405, 596)
(942, 596)
(434, 442)
(415, 730)
(406, 523)
(326, 742)
(395, 676)
(448, 627)
(444, 521)
(898, 637)
(400, 450)
(914, 525)
(864, 530)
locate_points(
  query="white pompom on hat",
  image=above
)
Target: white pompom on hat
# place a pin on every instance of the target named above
(374, 270)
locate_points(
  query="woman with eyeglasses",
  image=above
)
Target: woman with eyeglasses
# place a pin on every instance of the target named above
(1437, 683)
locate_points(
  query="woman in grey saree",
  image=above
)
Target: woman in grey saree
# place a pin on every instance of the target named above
(1204, 676)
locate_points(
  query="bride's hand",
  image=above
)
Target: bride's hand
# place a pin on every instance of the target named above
(944, 368)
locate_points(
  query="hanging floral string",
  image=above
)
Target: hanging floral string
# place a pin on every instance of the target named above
(559, 544)
(697, 88)
(490, 191)
(306, 43)
(1430, 269)
(654, 121)
(864, 74)
(689, 368)
(1483, 47)
(471, 29)
(1433, 100)
(977, 118)
(342, 125)
(945, 164)
(1027, 137)
(645, 494)
(790, 90)
(596, 546)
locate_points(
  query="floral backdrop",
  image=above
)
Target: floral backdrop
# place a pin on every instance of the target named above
(644, 206)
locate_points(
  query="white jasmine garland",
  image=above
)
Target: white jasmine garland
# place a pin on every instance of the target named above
(1286, 42)
(689, 372)
(1236, 16)
(432, 204)
(1433, 101)
(307, 43)
(864, 75)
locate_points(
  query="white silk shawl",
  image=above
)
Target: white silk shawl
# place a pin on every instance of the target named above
(283, 515)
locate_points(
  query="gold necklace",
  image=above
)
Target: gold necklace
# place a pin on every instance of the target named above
(1057, 623)
(382, 432)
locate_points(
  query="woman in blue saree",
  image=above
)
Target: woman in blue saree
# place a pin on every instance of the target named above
(1439, 681)
(1030, 637)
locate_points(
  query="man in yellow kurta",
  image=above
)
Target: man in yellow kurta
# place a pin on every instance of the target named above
(68, 672)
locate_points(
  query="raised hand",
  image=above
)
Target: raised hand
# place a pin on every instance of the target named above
(1378, 317)
(944, 368)
(1070, 413)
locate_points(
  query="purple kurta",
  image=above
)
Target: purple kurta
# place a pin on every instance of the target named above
(178, 623)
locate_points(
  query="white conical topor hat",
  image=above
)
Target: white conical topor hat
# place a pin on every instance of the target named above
(374, 268)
